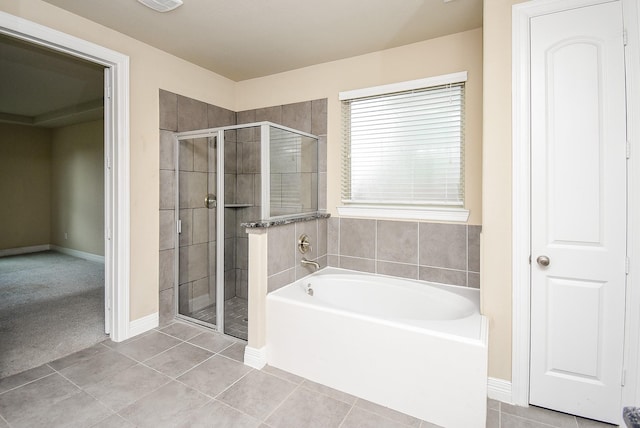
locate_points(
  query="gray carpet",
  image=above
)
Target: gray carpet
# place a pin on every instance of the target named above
(51, 305)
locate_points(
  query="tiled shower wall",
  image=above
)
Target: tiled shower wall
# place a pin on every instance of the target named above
(242, 185)
(444, 253)
(177, 114)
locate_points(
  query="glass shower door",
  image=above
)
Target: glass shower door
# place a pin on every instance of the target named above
(196, 238)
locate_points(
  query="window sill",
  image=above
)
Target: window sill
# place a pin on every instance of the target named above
(433, 214)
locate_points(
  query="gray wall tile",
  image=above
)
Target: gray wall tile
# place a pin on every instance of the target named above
(281, 248)
(167, 229)
(270, 114)
(362, 265)
(322, 154)
(443, 276)
(229, 284)
(322, 237)
(246, 116)
(218, 116)
(192, 114)
(322, 191)
(244, 189)
(230, 157)
(168, 111)
(167, 308)
(185, 155)
(473, 280)
(200, 226)
(397, 241)
(194, 262)
(242, 253)
(193, 189)
(357, 238)
(203, 155)
(443, 245)
(474, 248)
(167, 190)
(333, 260)
(230, 188)
(242, 283)
(297, 116)
(333, 235)
(280, 279)
(229, 253)
(397, 269)
(319, 117)
(167, 269)
(167, 151)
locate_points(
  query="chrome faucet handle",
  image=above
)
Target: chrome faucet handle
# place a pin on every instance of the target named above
(304, 246)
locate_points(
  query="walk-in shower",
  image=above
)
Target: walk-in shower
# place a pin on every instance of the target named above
(225, 177)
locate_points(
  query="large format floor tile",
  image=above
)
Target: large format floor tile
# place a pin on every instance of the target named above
(185, 376)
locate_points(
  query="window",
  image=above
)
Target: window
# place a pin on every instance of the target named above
(403, 150)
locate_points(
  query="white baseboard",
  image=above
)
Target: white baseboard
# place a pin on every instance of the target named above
(499, 389)
(256, 358)
(143, 324)
(24, 250)
(79, 254)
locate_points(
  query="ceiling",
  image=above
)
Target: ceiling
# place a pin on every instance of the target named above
(40, 87)
(238, 39)
(244, 39)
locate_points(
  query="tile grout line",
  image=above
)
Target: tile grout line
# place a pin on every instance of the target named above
(31, 381)
(284, 400)
(347, 415)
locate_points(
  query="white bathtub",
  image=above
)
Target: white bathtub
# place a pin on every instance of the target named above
(416, 347)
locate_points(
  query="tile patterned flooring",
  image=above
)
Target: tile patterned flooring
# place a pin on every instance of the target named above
(182, 375)
(235, 316)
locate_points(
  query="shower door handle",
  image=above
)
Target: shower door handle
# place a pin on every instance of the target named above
(210, 201)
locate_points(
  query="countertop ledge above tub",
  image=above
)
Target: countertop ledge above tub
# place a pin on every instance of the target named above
(280, 221)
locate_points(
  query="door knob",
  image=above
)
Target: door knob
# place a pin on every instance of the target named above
(543, 261)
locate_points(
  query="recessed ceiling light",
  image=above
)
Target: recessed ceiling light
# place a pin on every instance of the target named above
(161, 5)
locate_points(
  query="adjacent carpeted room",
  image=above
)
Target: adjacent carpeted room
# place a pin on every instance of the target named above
(51, 305)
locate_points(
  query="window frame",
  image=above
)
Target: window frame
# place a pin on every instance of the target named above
(423, 212)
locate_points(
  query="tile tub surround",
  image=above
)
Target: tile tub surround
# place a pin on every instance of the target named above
(179, 113)
(283, 257)
(436, 252)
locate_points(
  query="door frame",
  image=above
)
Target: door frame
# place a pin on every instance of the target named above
(521, 173)
(116, 150)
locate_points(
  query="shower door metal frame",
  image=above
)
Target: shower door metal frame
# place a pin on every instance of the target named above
(218, 134)
(265, 165)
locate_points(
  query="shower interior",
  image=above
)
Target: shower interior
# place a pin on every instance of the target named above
(225, 177)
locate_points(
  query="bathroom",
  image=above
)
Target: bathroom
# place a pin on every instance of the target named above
(431, 251)
(486, 243)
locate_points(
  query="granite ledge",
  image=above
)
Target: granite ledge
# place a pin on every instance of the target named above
(284, 220)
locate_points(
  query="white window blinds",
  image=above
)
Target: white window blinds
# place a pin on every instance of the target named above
(405, 148)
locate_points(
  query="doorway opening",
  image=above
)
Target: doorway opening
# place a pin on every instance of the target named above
(114, 162)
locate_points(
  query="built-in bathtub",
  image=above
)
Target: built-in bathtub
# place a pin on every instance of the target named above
(416, 347)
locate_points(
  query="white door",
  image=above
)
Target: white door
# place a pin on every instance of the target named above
(578, 211)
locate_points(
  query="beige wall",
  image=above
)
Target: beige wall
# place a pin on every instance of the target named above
(77, 187)
(496, 189)
(458, 52)
(151, 69)
(25, 173)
